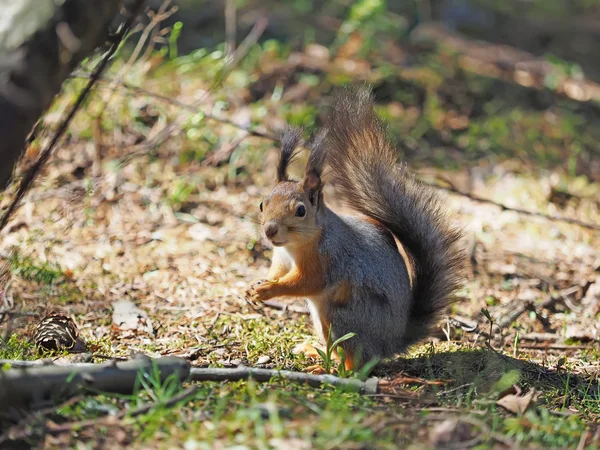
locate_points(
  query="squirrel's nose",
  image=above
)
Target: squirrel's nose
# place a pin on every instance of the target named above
(271, 229)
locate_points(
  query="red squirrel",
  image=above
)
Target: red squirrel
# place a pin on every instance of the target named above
(350, 268)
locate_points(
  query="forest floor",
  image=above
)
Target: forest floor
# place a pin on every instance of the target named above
(133, 208)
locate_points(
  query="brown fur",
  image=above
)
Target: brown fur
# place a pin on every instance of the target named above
(341, 294)
(364, 167)
(303, 280)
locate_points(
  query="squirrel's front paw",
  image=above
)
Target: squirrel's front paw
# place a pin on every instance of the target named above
(259, 290)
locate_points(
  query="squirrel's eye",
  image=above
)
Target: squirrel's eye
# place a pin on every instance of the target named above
(300, 211)
(260, 206)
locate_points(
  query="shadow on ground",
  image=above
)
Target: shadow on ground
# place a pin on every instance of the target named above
(475, 373)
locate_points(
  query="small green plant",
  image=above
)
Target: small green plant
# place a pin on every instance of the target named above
(329, 349)
(173, 37)
(158, 391)
(44, 273)
(15, 348)
(180, 192)
(488, 316)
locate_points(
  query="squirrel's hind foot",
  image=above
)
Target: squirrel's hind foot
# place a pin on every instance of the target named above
(306, 349)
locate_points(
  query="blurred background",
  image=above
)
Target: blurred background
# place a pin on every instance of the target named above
(152, 198)
(462, 79)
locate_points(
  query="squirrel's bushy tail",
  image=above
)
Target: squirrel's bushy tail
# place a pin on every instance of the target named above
(365, 170)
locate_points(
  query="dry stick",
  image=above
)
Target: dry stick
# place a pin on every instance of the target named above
(264, 375)
(155, 20)
(538, 337)
(31, 174)
(241, 52)
(523, 306)
(555, 346)
(224, 153)
(515, 313)
(28, 385)
(117, 375)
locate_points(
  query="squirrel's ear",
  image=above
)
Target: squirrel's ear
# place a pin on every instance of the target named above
(290, 140)
(312, 181)
(311, 184)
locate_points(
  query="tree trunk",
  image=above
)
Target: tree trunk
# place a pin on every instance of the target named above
(41, 42)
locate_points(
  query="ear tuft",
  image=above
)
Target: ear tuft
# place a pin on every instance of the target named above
(290, 140)
(316, 162)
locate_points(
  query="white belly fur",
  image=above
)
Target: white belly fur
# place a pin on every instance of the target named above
(283, 255)
(314, 314)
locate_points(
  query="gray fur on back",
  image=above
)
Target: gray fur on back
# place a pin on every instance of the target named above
(378, 310)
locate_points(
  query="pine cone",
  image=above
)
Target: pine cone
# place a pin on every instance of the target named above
(58, 332)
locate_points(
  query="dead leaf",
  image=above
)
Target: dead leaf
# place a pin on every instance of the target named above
(127, 316)
(516, 403)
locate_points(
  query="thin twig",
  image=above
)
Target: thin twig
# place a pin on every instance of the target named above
(555, 346)
(70, 426)
(264, 375)
(581, 223)
(224, 153)
(458, 388)
(239, 54)
(34, 170)
(441, 409)
(156, 19)
(182, 105)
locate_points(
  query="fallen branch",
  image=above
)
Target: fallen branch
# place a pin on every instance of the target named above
(539, 337)
(31, 385)
(514, 313)
(518, 306)
(264, 375)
